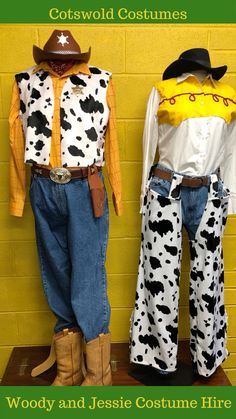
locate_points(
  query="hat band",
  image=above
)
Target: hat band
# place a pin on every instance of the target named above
(63, 52)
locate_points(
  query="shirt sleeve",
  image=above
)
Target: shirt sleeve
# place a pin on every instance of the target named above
(17, 166)
(112, 151)
(150, 139)
(228, 167)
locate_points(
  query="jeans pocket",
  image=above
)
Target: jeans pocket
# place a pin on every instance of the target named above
(160, 186)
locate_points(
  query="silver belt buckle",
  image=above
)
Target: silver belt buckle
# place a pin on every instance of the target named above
(60, 175)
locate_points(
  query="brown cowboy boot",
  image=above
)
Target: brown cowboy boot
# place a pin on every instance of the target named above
(98, 361)
(69, 352)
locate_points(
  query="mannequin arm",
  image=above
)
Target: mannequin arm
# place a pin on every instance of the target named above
(150, 139)
(228, 167)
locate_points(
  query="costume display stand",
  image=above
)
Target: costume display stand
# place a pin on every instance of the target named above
(183, 376)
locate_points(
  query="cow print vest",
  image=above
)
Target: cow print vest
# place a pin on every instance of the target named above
(84, 116)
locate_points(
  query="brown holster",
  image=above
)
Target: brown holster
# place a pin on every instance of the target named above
(97, 191)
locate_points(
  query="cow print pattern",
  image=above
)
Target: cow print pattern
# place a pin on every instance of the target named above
(84, 116)
(208, 319)
(154, 321)
(36, 110)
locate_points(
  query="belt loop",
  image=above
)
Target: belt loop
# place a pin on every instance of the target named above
(84, 172)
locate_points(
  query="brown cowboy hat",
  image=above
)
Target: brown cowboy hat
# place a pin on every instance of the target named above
(60, 46)
(193, 59)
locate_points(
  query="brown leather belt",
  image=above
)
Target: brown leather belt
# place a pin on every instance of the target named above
(62, 174)
(194, 182)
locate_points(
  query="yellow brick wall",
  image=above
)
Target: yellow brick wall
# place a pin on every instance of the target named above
(137, 56)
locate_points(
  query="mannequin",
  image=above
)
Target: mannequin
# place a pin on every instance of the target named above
(200, 74)
(62, 124)
(191, 119)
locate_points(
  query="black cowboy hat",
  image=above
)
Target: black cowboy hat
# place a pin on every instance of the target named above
(193, 59)
(60, 46)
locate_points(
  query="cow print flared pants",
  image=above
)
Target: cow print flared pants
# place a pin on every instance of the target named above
(154, 322)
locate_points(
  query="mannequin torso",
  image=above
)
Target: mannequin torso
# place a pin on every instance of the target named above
(200, 74)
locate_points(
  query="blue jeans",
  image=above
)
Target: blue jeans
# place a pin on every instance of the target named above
(72, 247)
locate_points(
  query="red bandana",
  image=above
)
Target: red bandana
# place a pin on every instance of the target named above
(60, 67)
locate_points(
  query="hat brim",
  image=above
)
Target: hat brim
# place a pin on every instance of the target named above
(41, 55)
(178, 67)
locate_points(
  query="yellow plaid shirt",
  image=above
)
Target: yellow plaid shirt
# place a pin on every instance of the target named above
(17, 142)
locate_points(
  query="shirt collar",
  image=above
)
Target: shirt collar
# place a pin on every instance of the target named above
(78, 67)
(185, 76)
